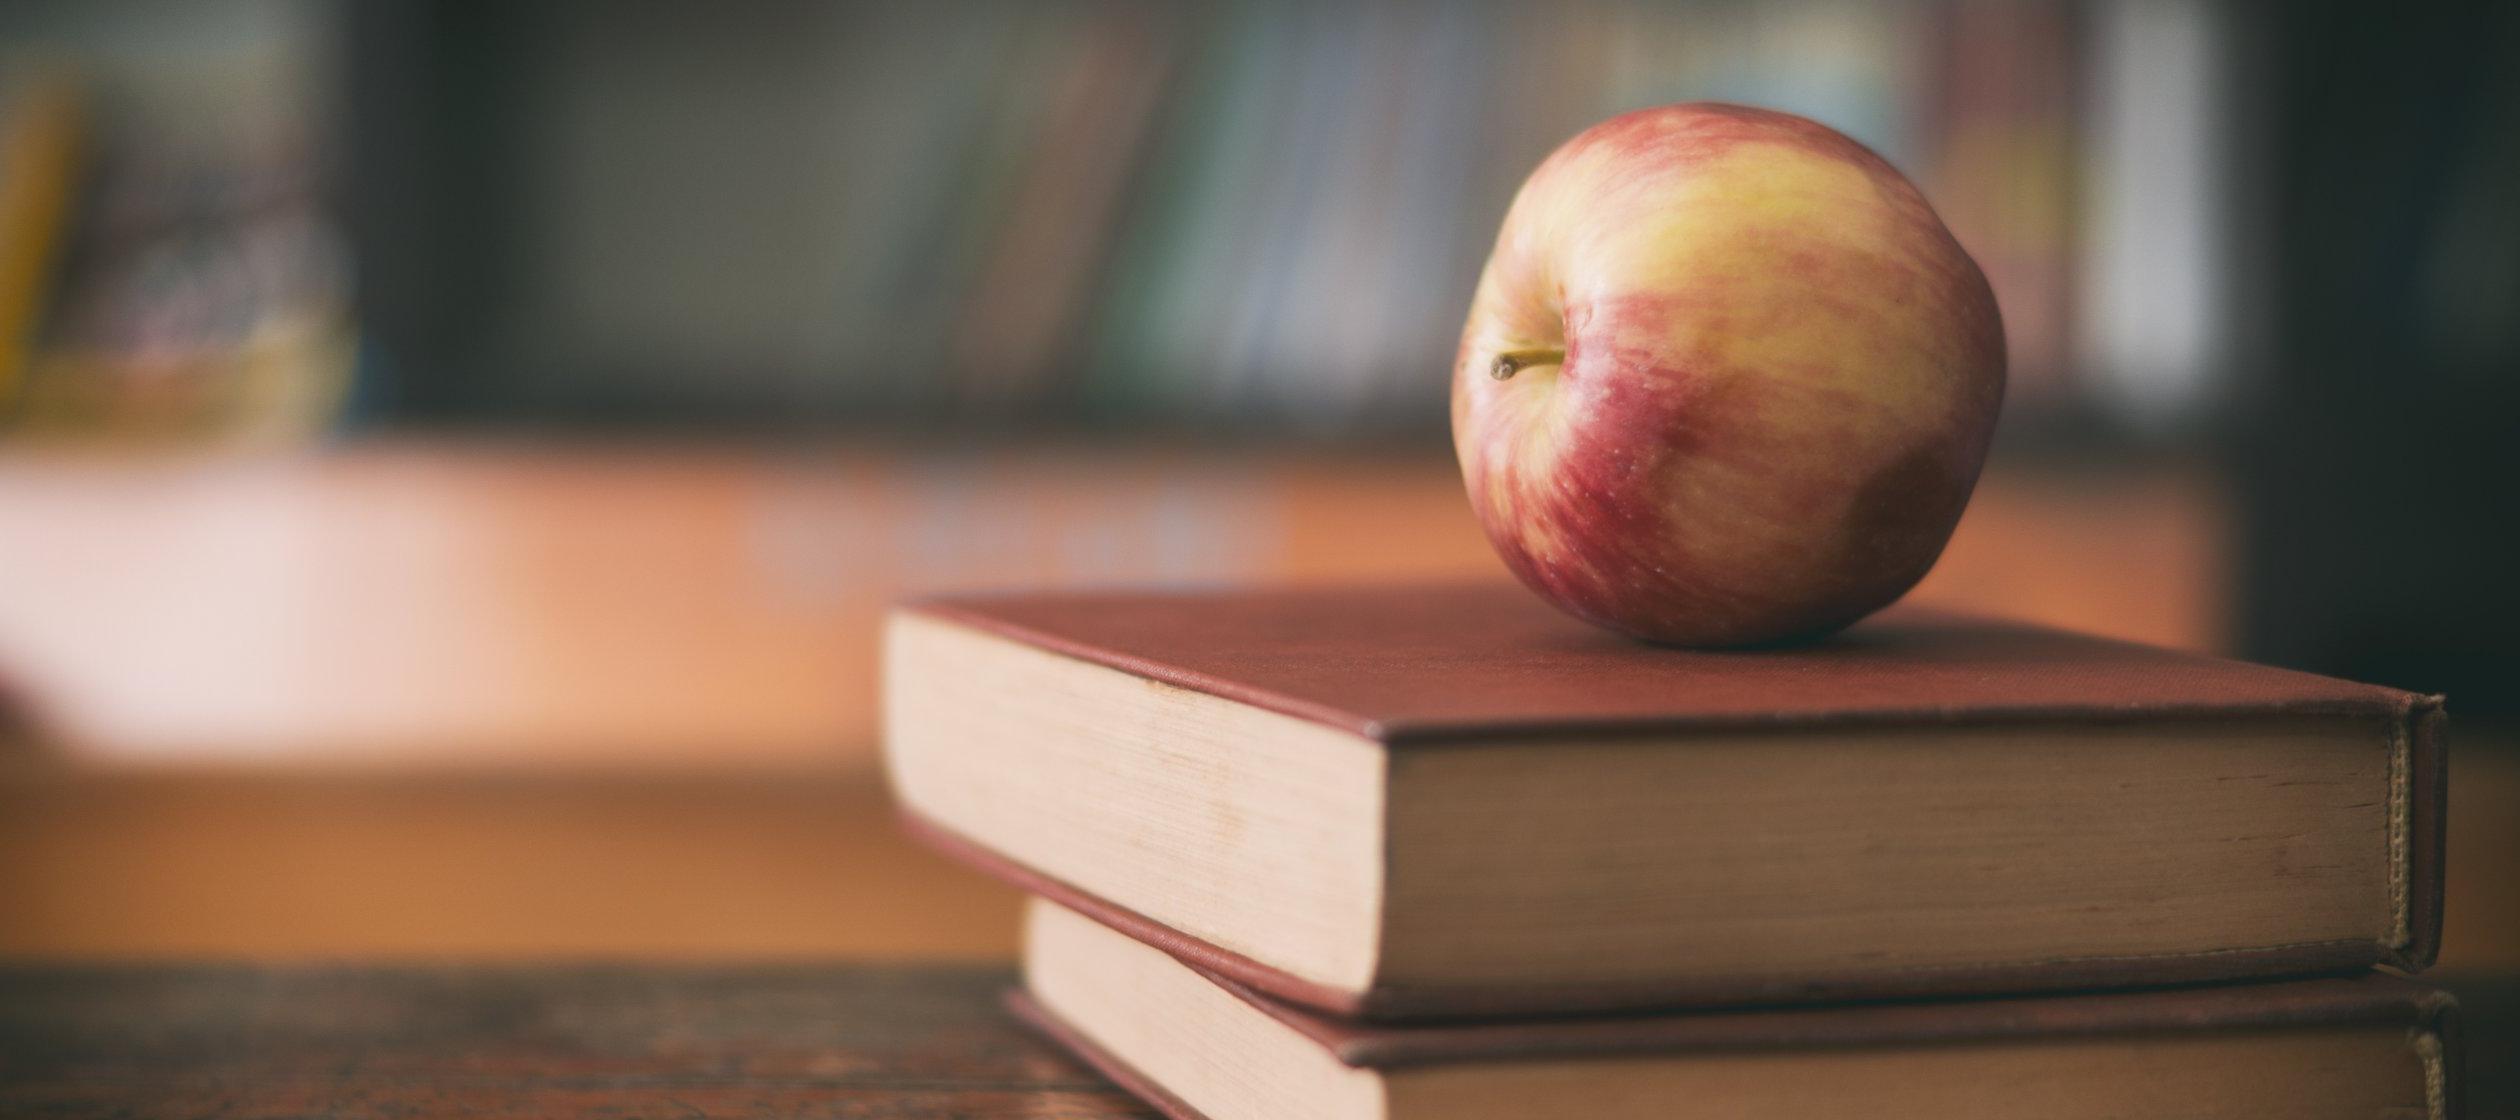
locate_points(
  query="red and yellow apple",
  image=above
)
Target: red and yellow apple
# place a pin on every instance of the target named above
(1726, 381)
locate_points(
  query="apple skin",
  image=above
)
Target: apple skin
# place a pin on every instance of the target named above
(1780, 375)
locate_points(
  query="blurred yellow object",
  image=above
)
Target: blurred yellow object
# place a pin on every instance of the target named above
(281, 384)
(40, 147)
(161, 286)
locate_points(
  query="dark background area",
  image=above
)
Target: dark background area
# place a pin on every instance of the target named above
(2375, 449)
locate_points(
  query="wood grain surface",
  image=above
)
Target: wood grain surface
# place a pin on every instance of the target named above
(825, 1042)
(248, 1043)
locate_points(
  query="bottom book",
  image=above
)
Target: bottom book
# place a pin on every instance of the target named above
(1199, 1047)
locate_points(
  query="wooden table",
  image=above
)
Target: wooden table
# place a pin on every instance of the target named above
(251, 1043)
(830, 1042)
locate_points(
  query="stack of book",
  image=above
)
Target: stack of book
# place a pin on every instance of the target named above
(1440, 852)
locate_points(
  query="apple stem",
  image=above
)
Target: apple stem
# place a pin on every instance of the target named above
(1512, 362)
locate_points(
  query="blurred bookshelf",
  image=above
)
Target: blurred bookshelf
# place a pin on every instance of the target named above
(612, 363)
(492, 277)
(172, 270)
(260, 220)
(1243, 219)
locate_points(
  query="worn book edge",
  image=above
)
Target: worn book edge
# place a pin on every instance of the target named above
(2419, 797)
(2430, 1015)
(2417, 778)
(1393, 1004)
(976, 613)
(1031, 1013)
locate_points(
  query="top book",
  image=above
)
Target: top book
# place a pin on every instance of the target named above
(1410, 802)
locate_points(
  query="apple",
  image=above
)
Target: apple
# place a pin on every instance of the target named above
(1726, 379)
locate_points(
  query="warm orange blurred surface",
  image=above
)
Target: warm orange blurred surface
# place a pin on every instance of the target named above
(266, 865)
(181, 865)
(483, 606)
(404, 701)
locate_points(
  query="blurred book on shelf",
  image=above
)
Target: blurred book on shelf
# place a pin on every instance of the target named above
(39, 161)
(1228, 216)
(168, 271)
(1999, 112)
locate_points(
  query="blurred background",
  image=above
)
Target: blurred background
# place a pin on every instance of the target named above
(454, 456)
